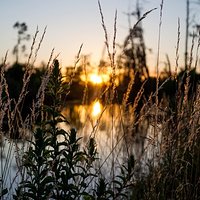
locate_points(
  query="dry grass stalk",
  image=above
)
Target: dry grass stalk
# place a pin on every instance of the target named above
(129, 88)
(157, 70)
(37, 107)
(110, 55)
(3, 106)
(26, 79)
(187, 84)
(85, 92)
(39, 46)
(75, 65)
(197, 52)
(177, 49)
(135, 25)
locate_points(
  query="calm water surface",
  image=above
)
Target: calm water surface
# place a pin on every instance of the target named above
(112, 129)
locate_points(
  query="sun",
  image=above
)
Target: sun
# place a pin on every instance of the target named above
(95, 78)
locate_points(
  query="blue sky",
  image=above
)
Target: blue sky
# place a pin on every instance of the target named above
(73, 22)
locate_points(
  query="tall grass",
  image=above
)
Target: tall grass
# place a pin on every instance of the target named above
(54, 163)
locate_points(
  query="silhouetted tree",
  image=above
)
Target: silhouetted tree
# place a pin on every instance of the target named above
(190, 22)
(134, 47)
(21, 36)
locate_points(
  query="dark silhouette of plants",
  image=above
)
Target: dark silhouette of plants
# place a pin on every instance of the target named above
(118, 188)
(134, 48)
(192, 27)
(15, 85)
(56, 168)
(38, 184)
(21, 36)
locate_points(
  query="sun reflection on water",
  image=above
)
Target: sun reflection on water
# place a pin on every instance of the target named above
(96, 109)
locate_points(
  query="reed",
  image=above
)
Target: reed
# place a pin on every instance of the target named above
(153, 149)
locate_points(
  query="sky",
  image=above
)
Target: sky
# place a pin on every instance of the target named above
(71, 23)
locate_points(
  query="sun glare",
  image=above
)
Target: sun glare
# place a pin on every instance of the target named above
(96, 109)
(95, 78)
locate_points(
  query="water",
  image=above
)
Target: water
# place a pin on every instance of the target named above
(112, 128)
(11, 152)
(115, 134)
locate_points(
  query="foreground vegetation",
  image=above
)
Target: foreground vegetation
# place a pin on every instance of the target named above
(54, 166)
(54, 163)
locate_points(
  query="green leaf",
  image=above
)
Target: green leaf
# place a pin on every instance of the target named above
(47, 180)
(88, 197)
(30, 195)
(3, 192)
(118, 183)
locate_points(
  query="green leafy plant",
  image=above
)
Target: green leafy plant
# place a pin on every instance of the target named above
(56, 167)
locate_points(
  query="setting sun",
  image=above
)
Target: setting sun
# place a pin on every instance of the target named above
(95, 78)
